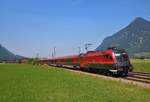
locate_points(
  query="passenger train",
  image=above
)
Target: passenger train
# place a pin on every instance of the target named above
(112, 61)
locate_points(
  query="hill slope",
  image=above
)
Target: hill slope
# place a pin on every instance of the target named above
(134, 38)
(7, 55)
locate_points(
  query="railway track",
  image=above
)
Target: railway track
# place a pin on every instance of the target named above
(139, 77)
(135, 78)
(139, 80)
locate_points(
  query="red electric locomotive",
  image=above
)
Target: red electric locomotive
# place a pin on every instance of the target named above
(110, 61)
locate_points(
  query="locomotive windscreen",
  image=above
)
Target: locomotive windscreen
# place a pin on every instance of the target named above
(121, 57)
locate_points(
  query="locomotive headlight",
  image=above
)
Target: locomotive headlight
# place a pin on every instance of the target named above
(117, 54)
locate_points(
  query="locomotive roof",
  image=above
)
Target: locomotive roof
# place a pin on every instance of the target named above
(115, 49)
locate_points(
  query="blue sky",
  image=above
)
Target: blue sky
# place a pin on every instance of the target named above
(28, 27)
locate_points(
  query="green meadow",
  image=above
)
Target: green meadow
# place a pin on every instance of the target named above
(142, 65)
(28, 83)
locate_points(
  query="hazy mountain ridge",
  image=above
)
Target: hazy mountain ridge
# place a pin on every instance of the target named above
(7, 55)
(135, 38)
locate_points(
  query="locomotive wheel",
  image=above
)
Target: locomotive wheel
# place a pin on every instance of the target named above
(107, 73)
(125, 73)
(87, 70)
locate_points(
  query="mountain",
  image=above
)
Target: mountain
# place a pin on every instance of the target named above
(135, 38)
(7, 55)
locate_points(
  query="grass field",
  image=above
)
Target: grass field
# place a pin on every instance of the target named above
(28, 83)
(141, 65)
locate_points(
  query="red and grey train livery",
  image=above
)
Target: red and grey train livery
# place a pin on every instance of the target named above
(109, 61)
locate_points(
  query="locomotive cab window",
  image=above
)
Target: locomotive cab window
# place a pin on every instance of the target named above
(108, 56)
